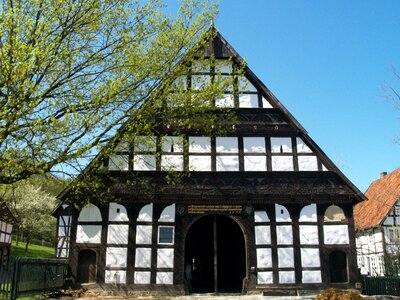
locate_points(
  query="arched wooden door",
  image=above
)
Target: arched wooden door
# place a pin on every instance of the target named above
(215, 249)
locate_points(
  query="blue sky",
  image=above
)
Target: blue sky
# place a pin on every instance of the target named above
(327, 61)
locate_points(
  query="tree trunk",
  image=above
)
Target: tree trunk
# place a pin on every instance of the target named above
(27, 244)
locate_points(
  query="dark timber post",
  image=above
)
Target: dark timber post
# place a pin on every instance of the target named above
(215, 255)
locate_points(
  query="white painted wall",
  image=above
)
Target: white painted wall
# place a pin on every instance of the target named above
(143, 234)
(146, 213)
(263, 235)
(116, 256)
(142, 277)
(287, 277)
(115, 276)
(117, 234)
(265, 277)
(308, 235)
(260, 216)
(117, 213)
(88, 234)
(165, 278)
(311, 276)
(310, 257)
(90, 213)
(143, 258)
(336, 234)
(284, 235)
(168, 214)
(264, 258)
(285, 258)
(165, 258)
(282, 214)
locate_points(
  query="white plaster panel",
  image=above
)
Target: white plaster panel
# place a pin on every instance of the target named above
(122, 146)
(266, 103)
(311, 277)
(265, 278)
(2, 226)
(324, 168)
(116, 256)
(141, 277)
(281, 145)
(284, 235)
(308, 213)
(245, 85)
(200, 144)
(264, 258)
(227, 145)
(88, 234)
(165, 258)
(179, 83)
(172, 162)
(227, 163)
(201, 65)
(260, 216)
(117, 234)
(285, 258)
(308, 235)
(254, 145)
(168, 214)
(336, 234)
(310, 257)
(62, 252)
(62, 230)
(143, 258)
(333, 214)
(146, 213)
(200, 81)
(165, 278)
(282, 163)
(115, 276)
(286, 277)
(308, 163)
(388, 221)
(301, 146)
(172, 144)
(117, 213)
(144, 162)
(143, 234)
(282, 214)
(90, 213)
(225, 100)
(2, 237)
(118, 162)
(255, 163)
(248, 100)
(223, 66)
(263, 235)
(145, 143)
(64, 220)
(199, 163)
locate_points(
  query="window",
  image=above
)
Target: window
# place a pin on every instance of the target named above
(227, 154)
(144, 158)
(172, 153)
(166, 235)
(199, 153)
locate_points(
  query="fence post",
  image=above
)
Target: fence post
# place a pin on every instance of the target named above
(14, 282)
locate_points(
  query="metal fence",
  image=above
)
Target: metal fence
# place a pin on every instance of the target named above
(381, 286)
(28, 276)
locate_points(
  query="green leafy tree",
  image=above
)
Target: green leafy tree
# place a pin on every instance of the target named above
(32, 208)
(71, 72)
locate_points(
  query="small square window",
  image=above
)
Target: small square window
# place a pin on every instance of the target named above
(166, 235)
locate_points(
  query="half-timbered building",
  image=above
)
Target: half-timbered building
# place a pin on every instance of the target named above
(377, 222)
(263, 208)
(7, 220)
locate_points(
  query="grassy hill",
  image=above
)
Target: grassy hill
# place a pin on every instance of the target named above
(33, 251)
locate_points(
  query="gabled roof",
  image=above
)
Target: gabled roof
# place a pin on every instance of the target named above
(220, 48)
(382, 194)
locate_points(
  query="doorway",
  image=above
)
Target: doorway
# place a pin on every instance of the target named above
(87, 267)
(338, 266)
(215, 248)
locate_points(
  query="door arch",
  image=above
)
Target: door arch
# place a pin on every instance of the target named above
(87, 266)
(215, 248)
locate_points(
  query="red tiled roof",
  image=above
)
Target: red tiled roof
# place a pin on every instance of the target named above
(382, 194)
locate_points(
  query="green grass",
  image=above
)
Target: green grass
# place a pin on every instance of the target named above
(33, 250)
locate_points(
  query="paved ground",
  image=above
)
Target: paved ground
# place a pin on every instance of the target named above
(203, 297)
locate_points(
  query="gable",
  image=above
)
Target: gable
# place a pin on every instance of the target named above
(266, 139)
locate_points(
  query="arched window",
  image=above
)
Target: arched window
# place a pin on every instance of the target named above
(334, 214)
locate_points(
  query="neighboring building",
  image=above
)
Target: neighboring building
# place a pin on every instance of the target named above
(264, 208)
(377, 223)
(7, 220)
